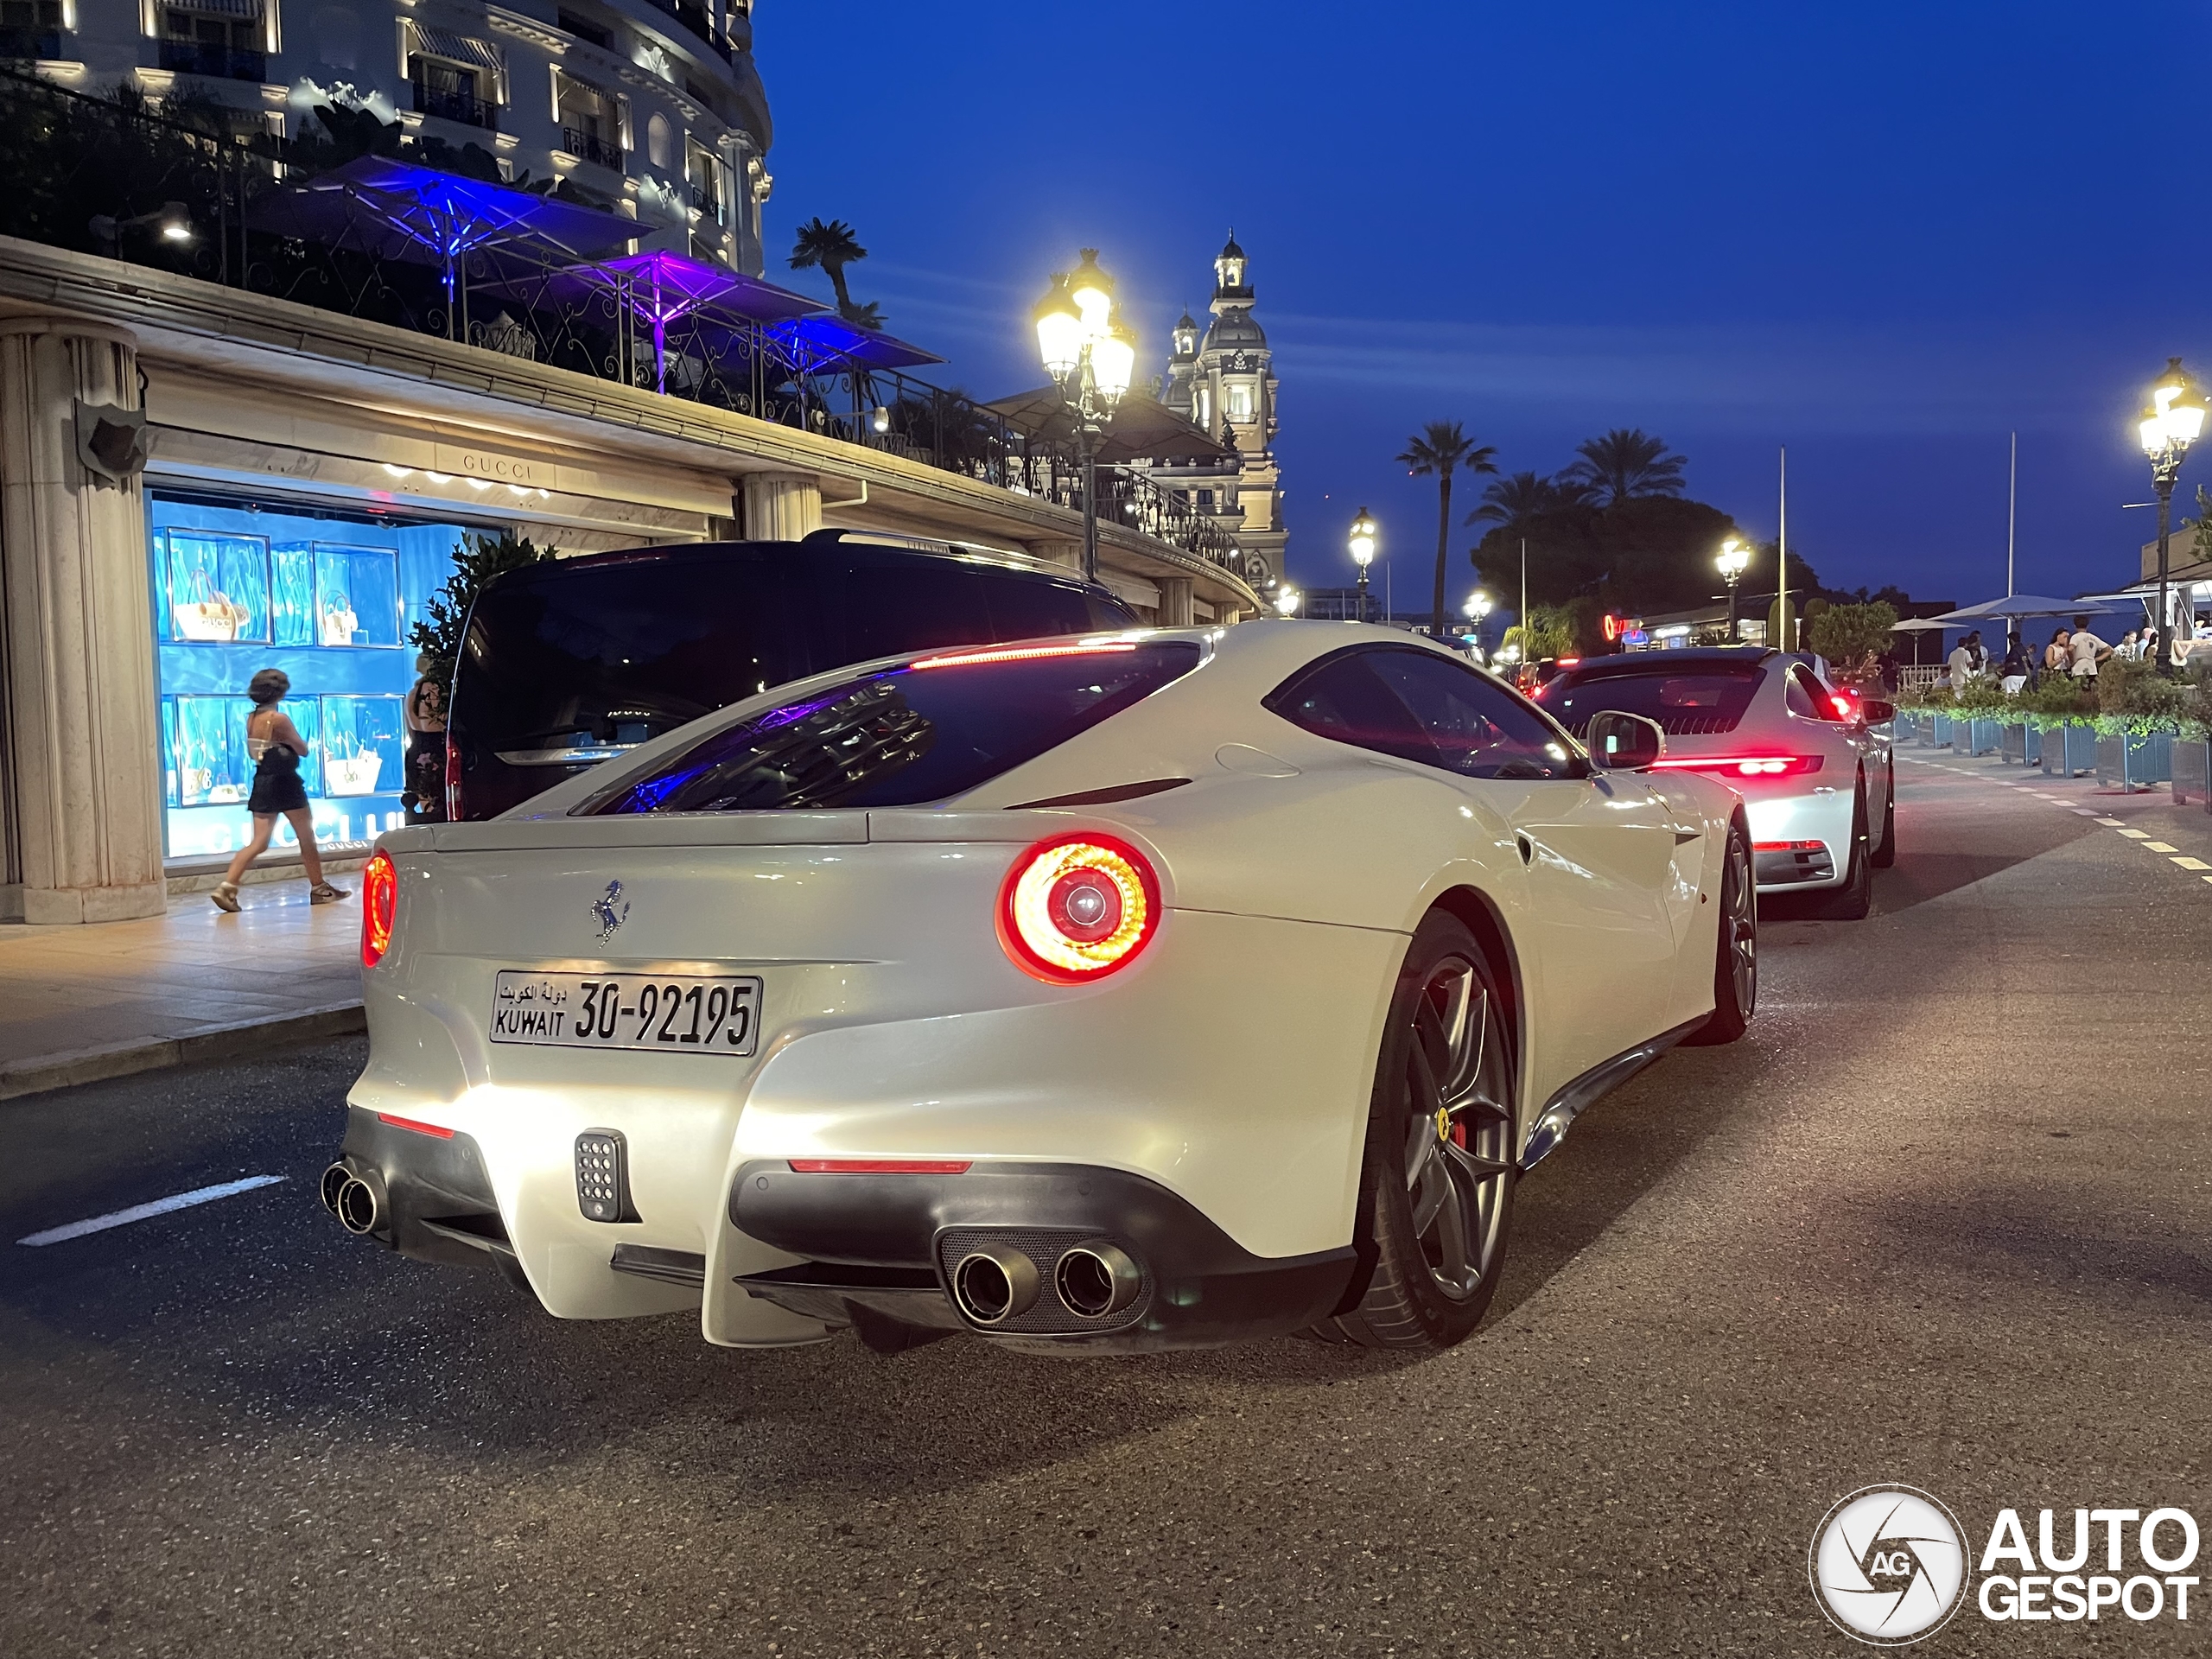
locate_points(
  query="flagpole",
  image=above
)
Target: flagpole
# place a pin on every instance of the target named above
(1524, 599)
(1782, 562)
(2011, 515)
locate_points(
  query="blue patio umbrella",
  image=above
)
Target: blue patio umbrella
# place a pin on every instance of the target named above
(2020, 605)
(400, 210)
(812, 344)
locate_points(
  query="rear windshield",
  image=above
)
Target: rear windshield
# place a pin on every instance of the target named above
(580, 661)
(905, 736)
(1688, 700)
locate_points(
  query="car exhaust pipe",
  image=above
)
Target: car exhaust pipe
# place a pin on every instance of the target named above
(358, 1203)
(333, 1179)
(1097, 1280)
(996, 1285)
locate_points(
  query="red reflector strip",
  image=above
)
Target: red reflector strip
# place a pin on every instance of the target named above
(1024, 654)
(410, 1124)
(1789, 846)
(877, 1166)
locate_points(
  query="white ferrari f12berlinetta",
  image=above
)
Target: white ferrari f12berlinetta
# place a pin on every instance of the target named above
(1089, 995)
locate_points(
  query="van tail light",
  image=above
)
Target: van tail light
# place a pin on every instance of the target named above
(453, 782)
(380, 898)
(1845, 708)
(1077, 907)
(1741, 765)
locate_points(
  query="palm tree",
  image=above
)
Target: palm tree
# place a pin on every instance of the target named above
(1441, 449)
(1517, 499)
(1625, 463)
(831, 246)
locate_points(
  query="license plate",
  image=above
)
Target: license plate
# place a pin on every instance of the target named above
(683, 1013)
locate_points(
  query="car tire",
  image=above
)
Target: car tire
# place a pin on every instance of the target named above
(1736, 950)
(1438, 1172)
(1886, 853)
(1851, 902)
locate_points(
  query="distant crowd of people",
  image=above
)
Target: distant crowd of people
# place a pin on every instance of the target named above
(2074, 652)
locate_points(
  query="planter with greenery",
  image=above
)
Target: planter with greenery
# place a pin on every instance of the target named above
(475, 562)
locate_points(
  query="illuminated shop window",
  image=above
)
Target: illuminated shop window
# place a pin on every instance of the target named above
(218, 587)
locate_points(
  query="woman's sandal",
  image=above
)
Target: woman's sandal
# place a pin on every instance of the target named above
(323, 893)
(226, 896)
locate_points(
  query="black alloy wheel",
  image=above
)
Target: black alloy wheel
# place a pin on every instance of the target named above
(1886, 853)
(1851, 902)
(1736, 950)
(1437, 1180)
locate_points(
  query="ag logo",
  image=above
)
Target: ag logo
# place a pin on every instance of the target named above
(1888, 1566)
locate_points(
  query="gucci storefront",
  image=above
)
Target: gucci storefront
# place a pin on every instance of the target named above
(325, 594)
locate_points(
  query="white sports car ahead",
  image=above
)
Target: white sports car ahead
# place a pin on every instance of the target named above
(1134, 992)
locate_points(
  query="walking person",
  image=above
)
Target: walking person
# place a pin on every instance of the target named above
(275, 746)
(425, 713)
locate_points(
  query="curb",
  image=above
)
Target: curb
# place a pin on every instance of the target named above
(51, 1071)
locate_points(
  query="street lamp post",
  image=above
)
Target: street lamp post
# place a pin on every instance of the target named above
(1287, 599)
(1363, 553)
(1735, 558)
(1091, 357)
(1479, 605)
(2168, 428)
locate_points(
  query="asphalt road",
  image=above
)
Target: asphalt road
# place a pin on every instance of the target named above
(1939, 1219)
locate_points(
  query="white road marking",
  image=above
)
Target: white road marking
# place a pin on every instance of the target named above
(2137, 835)
(2112, 823)
(2193, 864)
(144, 1212)
(2086, 812)
(2159, 846)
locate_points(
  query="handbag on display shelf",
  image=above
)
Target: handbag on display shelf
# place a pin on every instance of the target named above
(356, 774)
(340, 625)
(226, 795)
(211, 615)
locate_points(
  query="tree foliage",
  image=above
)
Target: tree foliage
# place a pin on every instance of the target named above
(1625, 464)
(1849, 636)
(830, 245)
(475, 562)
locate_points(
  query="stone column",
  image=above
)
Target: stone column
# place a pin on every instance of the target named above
(1059, 552)
(80, 763)
(781, 506)
(1175, 603)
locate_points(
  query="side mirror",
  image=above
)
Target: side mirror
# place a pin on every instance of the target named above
(1875, 712)
(1620, 742)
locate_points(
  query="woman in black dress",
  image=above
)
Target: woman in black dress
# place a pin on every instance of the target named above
(275, 746)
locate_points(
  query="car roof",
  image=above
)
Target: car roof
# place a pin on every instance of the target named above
(682, 552)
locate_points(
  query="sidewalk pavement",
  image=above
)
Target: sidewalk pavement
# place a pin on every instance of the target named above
(110, 998)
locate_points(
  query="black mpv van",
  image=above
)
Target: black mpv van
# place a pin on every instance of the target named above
(571, 662)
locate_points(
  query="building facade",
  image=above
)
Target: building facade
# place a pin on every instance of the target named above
(1225, 382)
(651, 107)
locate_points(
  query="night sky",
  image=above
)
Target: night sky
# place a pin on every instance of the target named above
(1883, 235)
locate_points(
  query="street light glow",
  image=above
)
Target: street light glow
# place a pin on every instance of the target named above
(1092, 290)
(1478, 604)
(1288, 600)
(1363, 540)
(1059, 329)
(1114, 362)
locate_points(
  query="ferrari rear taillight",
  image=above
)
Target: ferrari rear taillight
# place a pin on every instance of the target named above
(1789, 846)
(453, 782)
(1078, 907)
(1024, 654)
(379, 897)
(1742, 766)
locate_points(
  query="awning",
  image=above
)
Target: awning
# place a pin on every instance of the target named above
(458, 48)
(1141, 429)
(810, 345)
(2017, 605)
(399, 210)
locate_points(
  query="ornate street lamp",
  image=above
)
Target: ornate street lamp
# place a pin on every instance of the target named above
(1091, 357)
(1287, 599)
(1363, 553)
(2169, 427)
(1735, 559)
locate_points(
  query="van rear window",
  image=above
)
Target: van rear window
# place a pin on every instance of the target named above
(903, 737)
(1686, 700)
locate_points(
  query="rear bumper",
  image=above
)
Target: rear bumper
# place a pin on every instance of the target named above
(885, 1246)
(1799, 842)
(435, 1194)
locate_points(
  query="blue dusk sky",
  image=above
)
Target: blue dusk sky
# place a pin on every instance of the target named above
(1885, 235)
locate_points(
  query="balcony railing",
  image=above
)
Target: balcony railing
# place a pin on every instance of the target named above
(457, 106)
(216, 62)
(708, 199)
(696, 19)
(511, 302)
(19, 43)
(585, 148)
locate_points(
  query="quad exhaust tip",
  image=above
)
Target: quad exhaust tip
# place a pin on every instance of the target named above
(996, 1285)
(1098, 1280)
(357, 1205)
